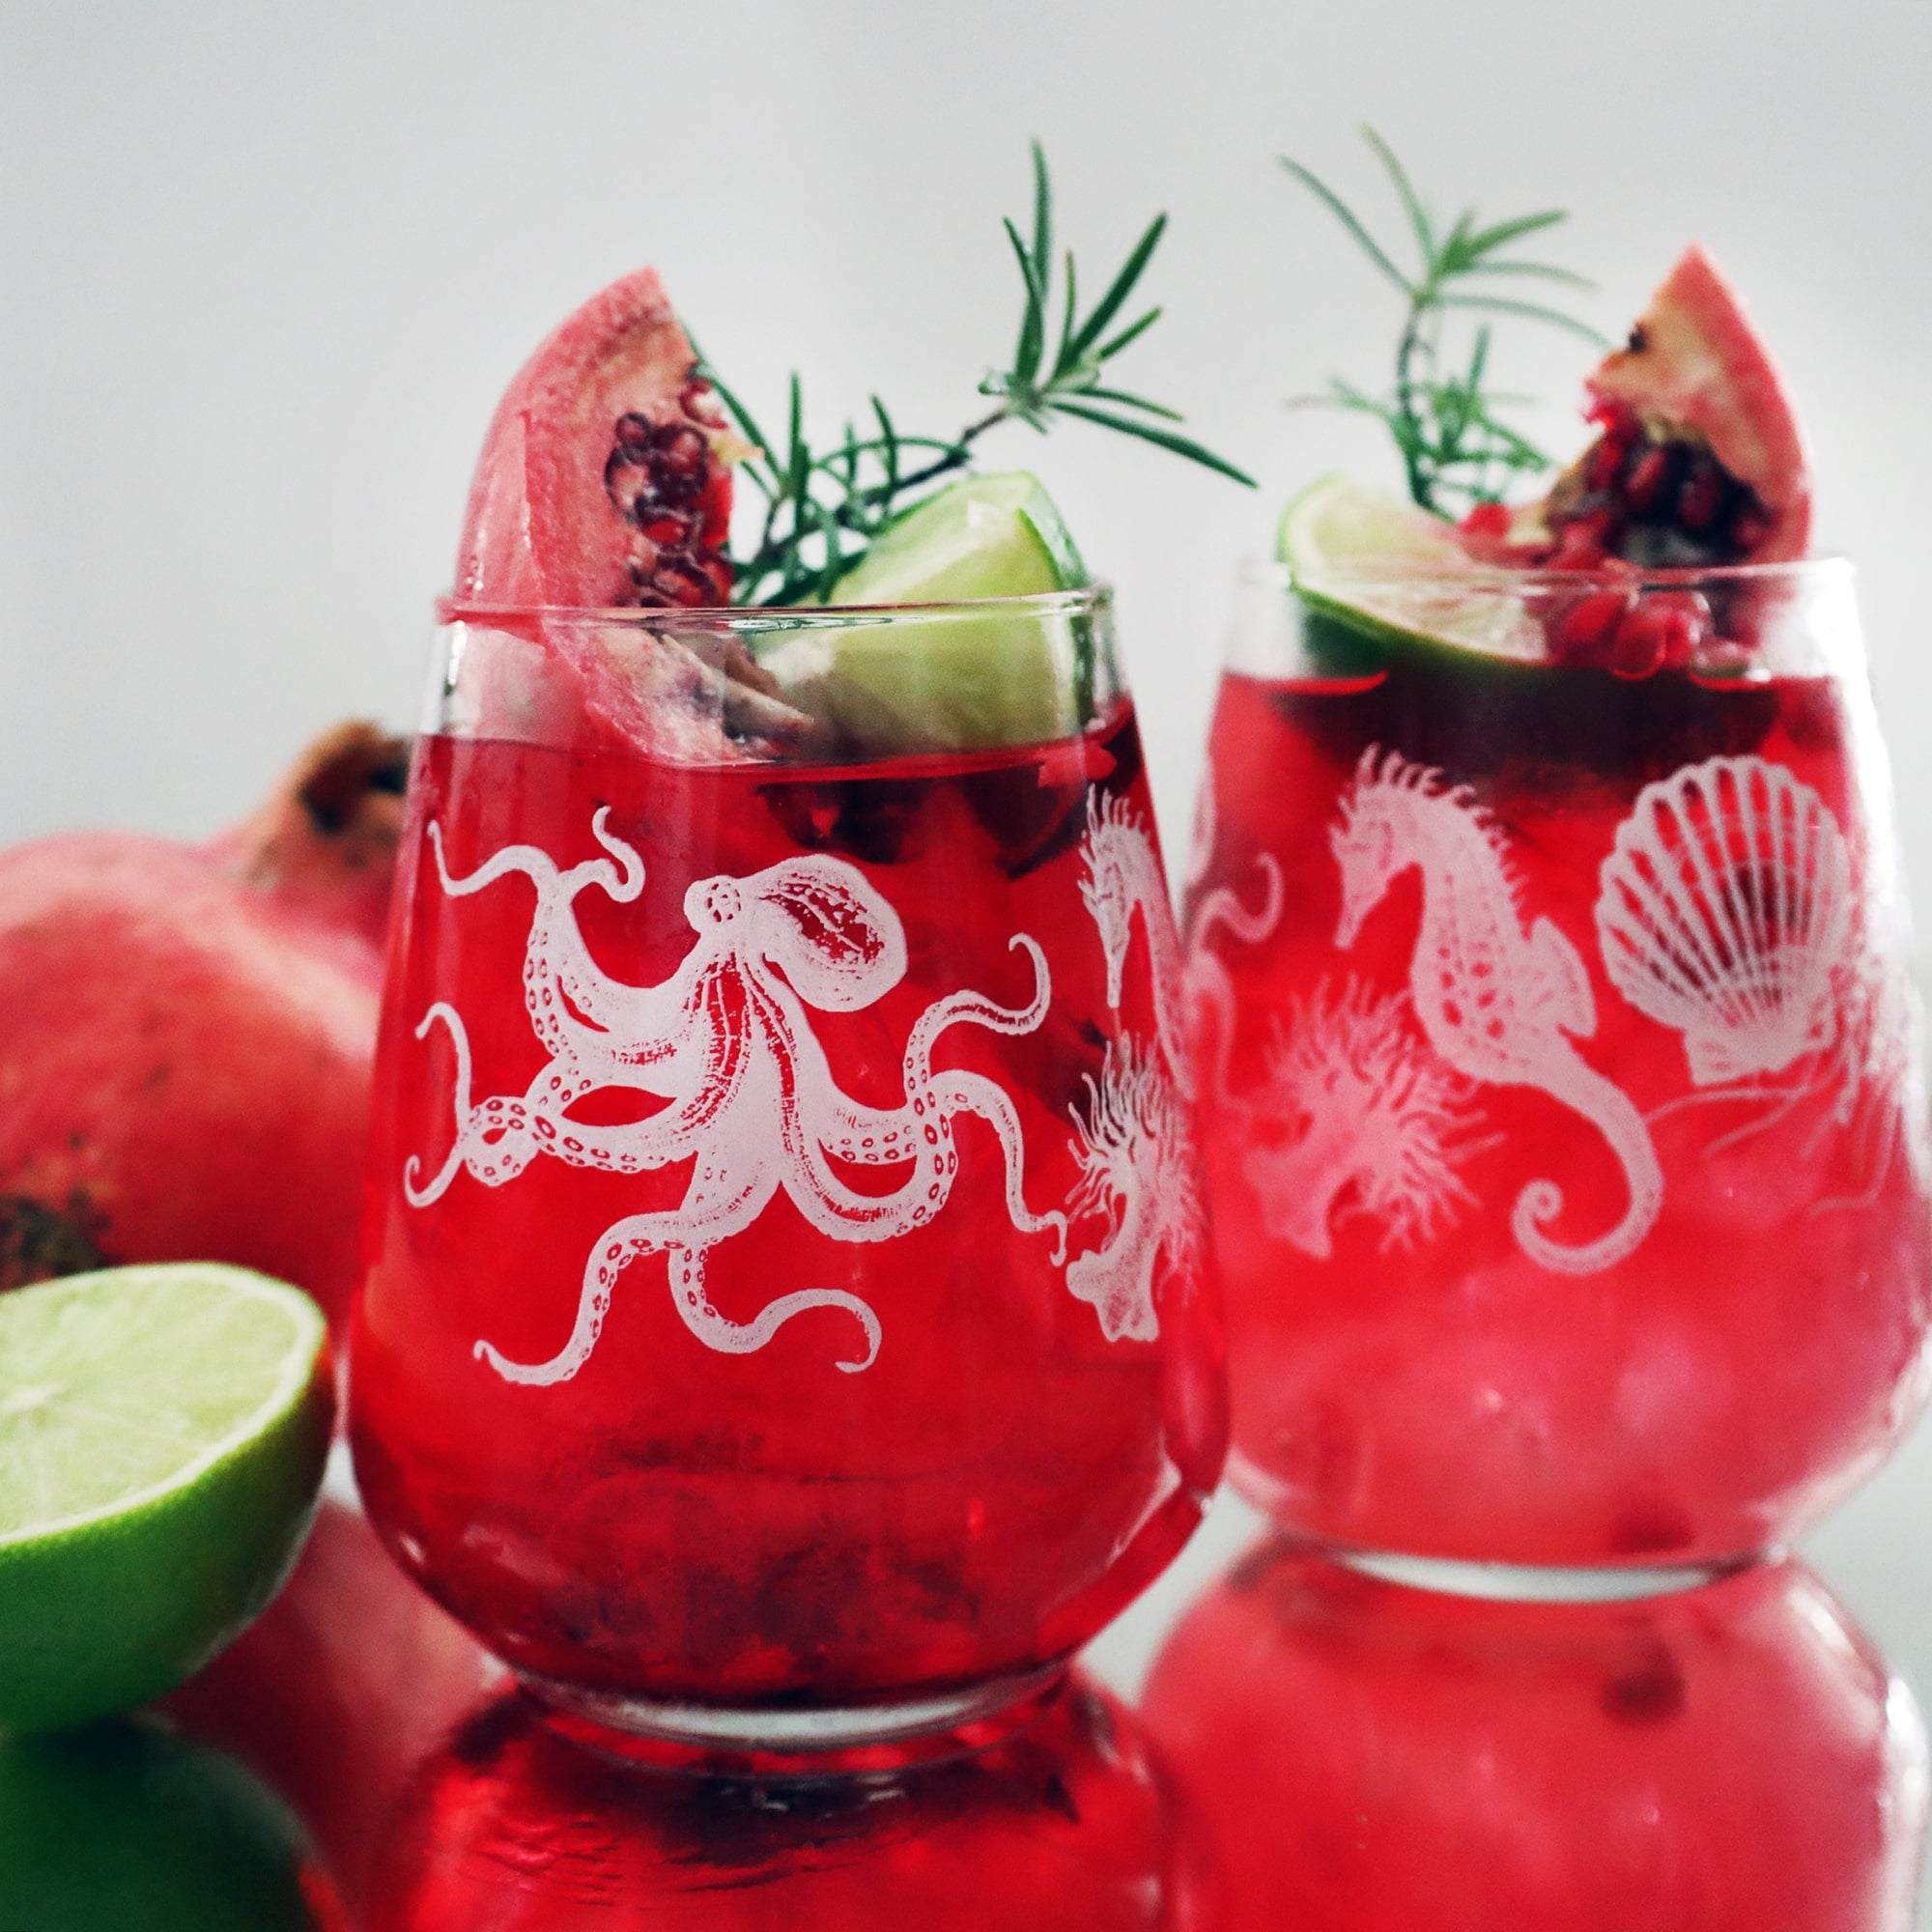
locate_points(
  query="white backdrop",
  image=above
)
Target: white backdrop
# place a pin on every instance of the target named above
(263, 272)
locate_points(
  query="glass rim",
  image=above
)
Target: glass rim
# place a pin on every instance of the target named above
(1081, 601)
(1255, 568)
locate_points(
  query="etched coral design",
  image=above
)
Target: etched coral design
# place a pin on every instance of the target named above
(1134, 1143)
(750, 1098)
(1120, 879)
(1500, 1002)
(1136, 1156)
(1727, 911)
(1377, 1123)
(1207, 992)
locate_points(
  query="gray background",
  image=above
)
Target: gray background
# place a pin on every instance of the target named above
(264, 270)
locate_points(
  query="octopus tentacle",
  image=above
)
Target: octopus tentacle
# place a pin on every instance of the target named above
(959, 1008)
(459, 1039)
(959, 1092)
(528, 860)
(747, 1338)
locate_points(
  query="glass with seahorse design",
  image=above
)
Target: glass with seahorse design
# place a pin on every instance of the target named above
(1563, 1125)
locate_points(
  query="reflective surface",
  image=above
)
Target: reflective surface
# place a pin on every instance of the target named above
(1367, 1755)
(1066, 1824)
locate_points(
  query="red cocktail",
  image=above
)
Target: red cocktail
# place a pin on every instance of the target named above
(1561, 1104)
(1369, 1757)
(783, 1302)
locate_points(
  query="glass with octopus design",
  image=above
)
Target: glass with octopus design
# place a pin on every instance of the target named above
(783, 1314)
(1562, 1115)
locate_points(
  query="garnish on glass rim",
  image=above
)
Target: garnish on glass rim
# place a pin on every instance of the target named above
(824, 506)
(1443, 419)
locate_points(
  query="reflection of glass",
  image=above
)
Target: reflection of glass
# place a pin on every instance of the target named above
(1561, 1116)
(1728, 1756)
(782, 1315)
(1064, 1824)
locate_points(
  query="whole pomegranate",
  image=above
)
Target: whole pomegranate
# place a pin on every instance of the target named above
(185, 1032)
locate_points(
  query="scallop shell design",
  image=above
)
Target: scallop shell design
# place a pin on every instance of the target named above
(1725, 911)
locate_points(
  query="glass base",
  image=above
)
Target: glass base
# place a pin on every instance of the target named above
(827, 1741)
(1529, 1582)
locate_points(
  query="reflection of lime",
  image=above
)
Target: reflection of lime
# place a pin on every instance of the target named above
(128, 1828)
(163, 1433)
(1397, 575)
(969, 681)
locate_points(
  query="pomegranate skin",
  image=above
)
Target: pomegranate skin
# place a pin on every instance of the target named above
(185, 1058)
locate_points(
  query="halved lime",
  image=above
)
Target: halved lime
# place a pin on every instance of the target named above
(965, 680)
(126, 1826)
(162, 1437)
(1398, 575)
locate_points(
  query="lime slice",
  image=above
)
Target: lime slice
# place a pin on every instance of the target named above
(1398, 575)
(987, 536)
(963, 680)
(126, 1825)
(162, 1436)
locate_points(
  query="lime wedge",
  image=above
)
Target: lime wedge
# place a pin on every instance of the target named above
(1398, 575)
(963, 680)
(162, 1436)
(987, 536)
(126, 1826)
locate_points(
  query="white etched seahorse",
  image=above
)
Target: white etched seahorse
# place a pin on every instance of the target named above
(1499, 1004)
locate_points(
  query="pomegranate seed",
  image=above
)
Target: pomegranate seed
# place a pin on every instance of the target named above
(1486, 520)
(1749, 527)
(1647, 477)
(1702, 495)
(1584, 632)
(685, 452)
(1585, 541)
(1662, 633)
(1606, 459)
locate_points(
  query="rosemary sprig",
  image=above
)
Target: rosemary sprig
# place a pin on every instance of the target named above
(1444, 421)
(823, 507)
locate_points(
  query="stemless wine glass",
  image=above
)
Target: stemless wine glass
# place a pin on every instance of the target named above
(783, 1315)
(1562, 1114)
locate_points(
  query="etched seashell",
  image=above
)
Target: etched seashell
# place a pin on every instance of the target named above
(1725, 911)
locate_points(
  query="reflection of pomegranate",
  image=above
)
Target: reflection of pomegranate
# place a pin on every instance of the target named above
(339, 1691)
(1371, 1756)
(1064, 1823)
(184, 1054)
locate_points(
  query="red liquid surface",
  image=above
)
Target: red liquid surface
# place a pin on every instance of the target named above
(696, 1514)
(1732, 1332)
(1065, 1823)
(1367, 1757)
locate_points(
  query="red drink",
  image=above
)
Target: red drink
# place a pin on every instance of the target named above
(782, 1288)
(1064, 1823)
(1562, 1115)
(1373, 1758)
